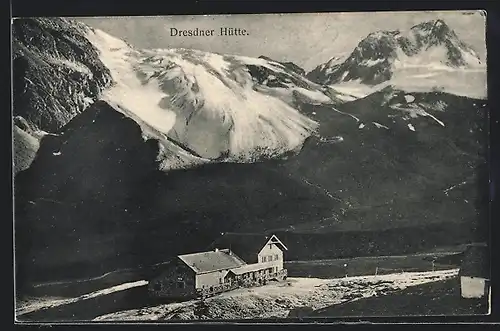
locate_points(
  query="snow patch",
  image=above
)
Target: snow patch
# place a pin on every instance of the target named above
(469, 82)
(371, 62)
(345, 97)
(361, 126)
(409, 98)
(430, 58)
(274, 66)
(415, 110)
(74, 66)
(356, 89)
(313, 96)
(378, 125)
(336, 139)
(336, 60)
(411, 127)
(447, 191)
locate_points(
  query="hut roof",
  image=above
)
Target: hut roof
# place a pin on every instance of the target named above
(204, 262)
(251, 267)
(476, 262)
(245, 245)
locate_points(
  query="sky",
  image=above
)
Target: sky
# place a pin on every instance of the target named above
(305, 39)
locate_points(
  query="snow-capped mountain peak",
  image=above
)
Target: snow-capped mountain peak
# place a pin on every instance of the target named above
(437, 33)
(434, 32)
(377, 57)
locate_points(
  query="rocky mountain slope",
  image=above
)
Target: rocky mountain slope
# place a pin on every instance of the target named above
(409, 136)
(57, 74)
(431, 44)
(397, 161)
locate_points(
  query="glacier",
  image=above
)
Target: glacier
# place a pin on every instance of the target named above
(202, 104)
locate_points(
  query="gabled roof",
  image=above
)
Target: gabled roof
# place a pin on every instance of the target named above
(251, 267)
(245, 245)
(278, 242)
(204, 262)
(476, 262)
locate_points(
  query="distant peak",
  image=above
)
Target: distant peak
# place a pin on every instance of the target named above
(433, 26)
(263, 57)
(384, 33)
(437, 22)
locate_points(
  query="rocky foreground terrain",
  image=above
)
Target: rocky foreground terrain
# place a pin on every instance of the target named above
(288, 299)
(292, 298)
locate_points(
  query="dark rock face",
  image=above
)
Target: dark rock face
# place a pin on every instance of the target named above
(372, 60)
(57, 71)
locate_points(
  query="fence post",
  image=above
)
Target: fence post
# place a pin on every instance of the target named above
(376, 271)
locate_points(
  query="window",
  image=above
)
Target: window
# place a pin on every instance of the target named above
(270, 246)
(276, 257)
(270, 258)
(264, 259)
(220, 280)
